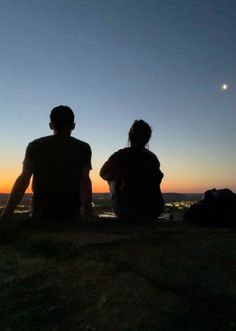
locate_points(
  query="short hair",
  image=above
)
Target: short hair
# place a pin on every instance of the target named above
(62, 117)
(140, 133)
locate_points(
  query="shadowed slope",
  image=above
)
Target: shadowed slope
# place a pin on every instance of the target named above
(167, 276)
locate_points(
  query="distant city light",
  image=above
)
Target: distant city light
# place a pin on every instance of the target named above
(224, 87)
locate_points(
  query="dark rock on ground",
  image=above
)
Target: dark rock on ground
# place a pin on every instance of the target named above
(166, 276)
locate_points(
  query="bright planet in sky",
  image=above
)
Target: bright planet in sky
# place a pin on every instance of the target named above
(224, 87)
(116, 61)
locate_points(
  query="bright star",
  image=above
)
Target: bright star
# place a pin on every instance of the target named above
(224, 87)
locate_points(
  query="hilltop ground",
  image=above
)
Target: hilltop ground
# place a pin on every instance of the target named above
(107, 277)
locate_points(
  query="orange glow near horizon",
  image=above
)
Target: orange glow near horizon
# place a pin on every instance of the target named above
(6, 188)
(7, 182)
(100, 186)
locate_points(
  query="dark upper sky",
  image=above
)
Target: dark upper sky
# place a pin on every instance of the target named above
(115, 61)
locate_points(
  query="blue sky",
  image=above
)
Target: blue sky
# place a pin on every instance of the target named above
(113, 62)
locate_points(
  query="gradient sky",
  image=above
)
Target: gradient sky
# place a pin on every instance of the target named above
(115, 61)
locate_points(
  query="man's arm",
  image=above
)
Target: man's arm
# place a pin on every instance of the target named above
(18, 190)
(86, 193)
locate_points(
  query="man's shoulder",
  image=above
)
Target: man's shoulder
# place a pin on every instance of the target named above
(79, 142)
(53, 139)
(41, 140)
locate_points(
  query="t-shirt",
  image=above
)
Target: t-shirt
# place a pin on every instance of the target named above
(136, 179)
(57, 162)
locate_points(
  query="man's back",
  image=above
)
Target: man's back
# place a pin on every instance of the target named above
(60, 168)
(57, 162)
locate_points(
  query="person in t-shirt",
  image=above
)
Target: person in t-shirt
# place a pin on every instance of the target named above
(134, 178)
(60, 166)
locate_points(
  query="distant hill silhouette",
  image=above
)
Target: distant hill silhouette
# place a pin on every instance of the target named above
(170, 197)
(104, 197)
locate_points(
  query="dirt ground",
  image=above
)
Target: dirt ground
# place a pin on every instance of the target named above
(108, 277)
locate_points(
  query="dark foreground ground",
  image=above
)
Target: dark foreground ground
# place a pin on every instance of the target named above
(168, 276)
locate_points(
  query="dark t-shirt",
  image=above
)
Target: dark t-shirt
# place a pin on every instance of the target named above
(137, 179)
(57, 162)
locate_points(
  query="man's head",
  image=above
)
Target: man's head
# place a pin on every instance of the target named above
(62, 119)
(140, 133)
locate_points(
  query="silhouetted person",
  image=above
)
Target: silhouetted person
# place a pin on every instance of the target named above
(60, 166)
(134, 177)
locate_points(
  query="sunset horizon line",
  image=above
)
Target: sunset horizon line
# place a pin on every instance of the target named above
(103, 192)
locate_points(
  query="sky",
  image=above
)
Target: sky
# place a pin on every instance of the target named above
(114, 61)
